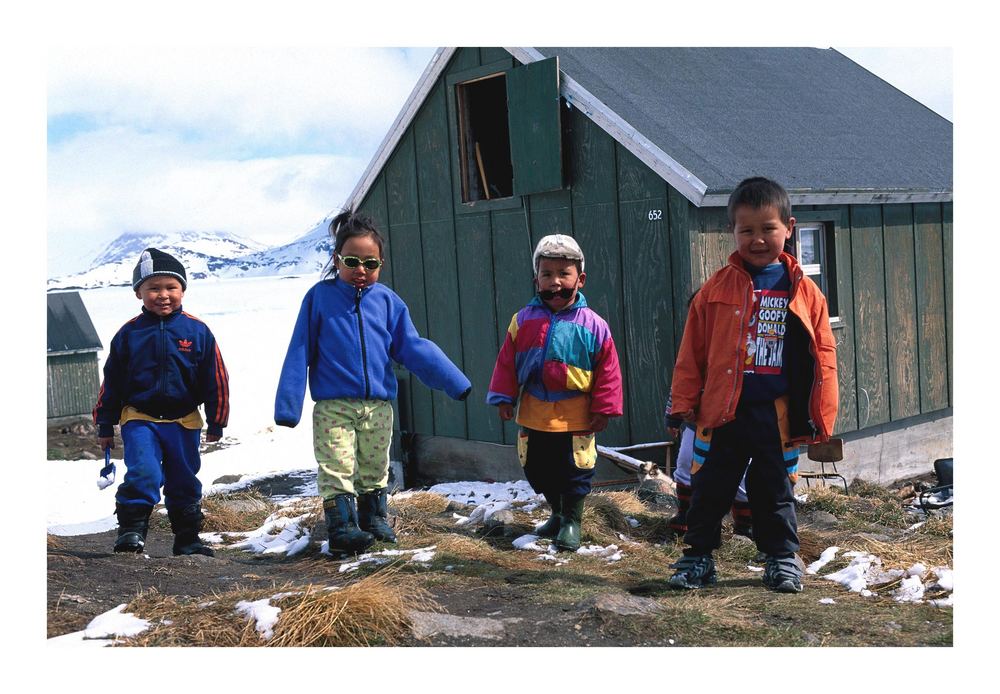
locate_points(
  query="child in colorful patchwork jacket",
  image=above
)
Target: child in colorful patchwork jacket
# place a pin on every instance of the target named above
(161, 366)
(558, 363)
(350, 329)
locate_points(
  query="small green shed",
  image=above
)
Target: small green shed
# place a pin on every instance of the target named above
(73, 369)
(634, 152)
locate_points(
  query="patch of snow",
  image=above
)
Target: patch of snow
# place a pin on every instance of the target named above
(263, 613)
(917, 569)
(910, 590)
(825, 558)
(419, 555)
(478, 493)
(801, 498)
(633, 523)
(827, 601)
(856, 575)
(945, 579)
(611, 552)
(755, 568)
(115, 622)
(527, 542)
(484, 512)
(291, 539)
(943, 602)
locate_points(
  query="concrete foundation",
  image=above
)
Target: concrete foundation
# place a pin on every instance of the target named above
(880, 454)
(434, 459)
(890, 452)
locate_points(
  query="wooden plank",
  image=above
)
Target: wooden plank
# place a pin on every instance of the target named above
(636, 181)
(401, 184)
(409, 276)
(871, 344)
(649, 327)
(441, 289)
(492, 55)
(949, 306)
(844, 333)
(596, 230)
(901, 318)
(464, 59)
(550, 220)
(931, 331)
(713, 244)
(374, 205)
(590, 160)
(432, 147)
(513, 276)
(533, 112)
(681, 239)
(479, 322)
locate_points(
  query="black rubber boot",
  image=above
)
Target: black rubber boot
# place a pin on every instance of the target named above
(551, 527)
(571, 512)
(186, 524)
(133, 524)
(678, 524)
(373, 515)
(342, 525)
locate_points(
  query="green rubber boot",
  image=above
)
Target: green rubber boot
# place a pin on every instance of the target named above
(568, 538)
(550, 528)
(342, 526)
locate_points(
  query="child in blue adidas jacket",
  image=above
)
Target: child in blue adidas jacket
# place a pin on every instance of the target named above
(349, 330)
(161, 366)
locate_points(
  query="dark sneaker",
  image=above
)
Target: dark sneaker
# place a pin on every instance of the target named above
(693, 572)
(783, 574)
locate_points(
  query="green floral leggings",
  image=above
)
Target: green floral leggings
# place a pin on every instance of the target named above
(351, 441)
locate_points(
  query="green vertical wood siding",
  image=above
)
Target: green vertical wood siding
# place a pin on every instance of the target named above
(932, 339)
(949, 276)
(867, 254)
(479, 321)
(465, 270)
(900, 306)
(73, 381)
(535, 133)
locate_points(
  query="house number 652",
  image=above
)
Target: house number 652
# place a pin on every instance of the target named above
(655, 214)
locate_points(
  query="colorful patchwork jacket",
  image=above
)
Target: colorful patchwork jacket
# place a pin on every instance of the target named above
(563, 366)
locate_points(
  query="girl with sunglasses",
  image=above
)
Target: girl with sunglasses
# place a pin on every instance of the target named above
(349, 330)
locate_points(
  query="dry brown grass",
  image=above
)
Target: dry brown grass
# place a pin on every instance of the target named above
(240, 511)
(416, 513)
(52, 542)
(604, 516)
(373, 611)
(902, 554)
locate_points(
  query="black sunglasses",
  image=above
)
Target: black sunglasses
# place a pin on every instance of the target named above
(352, 261)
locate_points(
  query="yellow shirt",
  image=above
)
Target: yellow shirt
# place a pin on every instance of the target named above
(192, 420)
(572, 414)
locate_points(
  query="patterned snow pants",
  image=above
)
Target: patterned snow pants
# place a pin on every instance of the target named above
(351, 439)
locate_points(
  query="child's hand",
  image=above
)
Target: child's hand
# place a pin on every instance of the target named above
(506, 411)
(212, 438)
(106, 442)
(598, 421)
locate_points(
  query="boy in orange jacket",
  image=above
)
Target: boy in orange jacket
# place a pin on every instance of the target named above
(757, 375)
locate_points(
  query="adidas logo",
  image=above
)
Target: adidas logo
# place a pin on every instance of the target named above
(184, 345)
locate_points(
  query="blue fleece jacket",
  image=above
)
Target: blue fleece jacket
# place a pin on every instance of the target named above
(346, 339)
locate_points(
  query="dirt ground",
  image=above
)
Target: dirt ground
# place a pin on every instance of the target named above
(586, 602)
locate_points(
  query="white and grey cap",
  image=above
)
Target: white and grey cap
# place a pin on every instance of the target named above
(557, 246)
(153, 262)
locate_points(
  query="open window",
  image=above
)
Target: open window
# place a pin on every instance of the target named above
(506, 121)
(815, 248)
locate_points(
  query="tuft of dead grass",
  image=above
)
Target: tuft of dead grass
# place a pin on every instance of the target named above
(372, 611)
(878, 507)
(53, 543)
(240, 511)
(604, 515)
(902, 554)
(415, 513)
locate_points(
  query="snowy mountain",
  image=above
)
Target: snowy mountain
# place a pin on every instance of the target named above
(204, 255)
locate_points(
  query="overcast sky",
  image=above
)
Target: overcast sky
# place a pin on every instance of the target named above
(261, 142)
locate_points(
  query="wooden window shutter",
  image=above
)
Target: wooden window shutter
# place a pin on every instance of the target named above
(535, 131)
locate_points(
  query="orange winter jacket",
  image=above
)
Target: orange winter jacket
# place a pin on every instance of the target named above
(708, 374)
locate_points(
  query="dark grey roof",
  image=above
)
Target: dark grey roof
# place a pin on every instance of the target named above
(809, 118)
(70, 328)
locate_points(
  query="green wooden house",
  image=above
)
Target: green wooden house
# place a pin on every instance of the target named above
(73, 369)
(634, 152)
